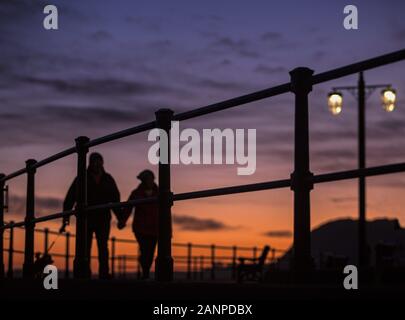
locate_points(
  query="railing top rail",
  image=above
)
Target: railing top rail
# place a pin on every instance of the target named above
(13, 175)
(359, 66)
(55, 157)
(234, 102)
(122, 134)
(175, 244)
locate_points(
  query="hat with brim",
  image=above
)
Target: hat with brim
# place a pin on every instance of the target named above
(145, 174)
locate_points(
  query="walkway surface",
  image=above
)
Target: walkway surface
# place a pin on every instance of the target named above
(18, 289)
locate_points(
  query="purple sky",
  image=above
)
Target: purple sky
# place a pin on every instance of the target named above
(112, 64)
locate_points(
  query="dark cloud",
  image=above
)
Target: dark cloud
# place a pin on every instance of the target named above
(63, 122)
(42, 205)
(18, 9)
(261, 68)
(103, 86)
(191, 223)
(226, 62)
(325, 154)
(399, 35)
(89, 114)
(271, 36)
(392, 182)
(319, 55)
(242, 47)
(147, 23)
(101, 35)
(278, 234)
(218, 85)
(339, 200)
(161, 45)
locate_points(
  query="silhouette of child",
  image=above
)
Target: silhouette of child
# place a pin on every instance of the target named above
(146, 220)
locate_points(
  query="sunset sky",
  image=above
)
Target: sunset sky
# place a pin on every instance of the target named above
(112, 64)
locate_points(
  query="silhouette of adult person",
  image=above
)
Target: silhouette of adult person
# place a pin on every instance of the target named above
(146, 220)
(101, 189)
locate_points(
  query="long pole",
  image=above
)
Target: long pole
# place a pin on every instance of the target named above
(301, 183)
(81, 263)
(164, 260)
(28, 266)
(362, 240)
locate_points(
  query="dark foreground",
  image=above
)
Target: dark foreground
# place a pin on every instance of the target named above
(132, 290)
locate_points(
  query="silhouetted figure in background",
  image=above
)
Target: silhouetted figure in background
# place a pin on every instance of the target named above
(41, 261)
(146, 220)
(101, 189)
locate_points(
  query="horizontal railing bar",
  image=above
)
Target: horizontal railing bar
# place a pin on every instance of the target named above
(41, 163)
(234, 102)
(208, 246)
(68, 213)
(14, 174)
(53, 216)
(277, 184)
(52, 232)
(129, 203)
(359, 66)
(357, 173)
(131, 257)
(122, 134)
(55, 157)
(328, 177)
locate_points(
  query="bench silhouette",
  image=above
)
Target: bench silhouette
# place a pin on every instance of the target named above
(252, 271)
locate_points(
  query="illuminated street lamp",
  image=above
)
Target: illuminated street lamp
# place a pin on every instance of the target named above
(388, 97)
(335, 103)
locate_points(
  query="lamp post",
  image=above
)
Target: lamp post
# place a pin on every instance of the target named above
(335, 103)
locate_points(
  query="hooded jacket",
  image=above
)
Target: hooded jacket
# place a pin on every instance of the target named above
(105, 191)
(146, 218)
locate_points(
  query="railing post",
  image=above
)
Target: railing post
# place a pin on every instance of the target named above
(113, 257)
(2, 185)
(67, 255)
(195, 269)
(164, 260)
(10, 251)
(213, 262)
(201, 267)
(138, 265)
(189, 253)
(46, 240)
(124, 259)
(301, 179)
(234, 257)
(28, 267)
(81, 268)
(363, 255)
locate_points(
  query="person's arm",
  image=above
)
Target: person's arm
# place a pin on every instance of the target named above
(128, 210)
(115, 197)
(69, 202)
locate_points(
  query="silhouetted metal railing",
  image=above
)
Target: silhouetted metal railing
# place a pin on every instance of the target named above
(192, 264)
(301, 181)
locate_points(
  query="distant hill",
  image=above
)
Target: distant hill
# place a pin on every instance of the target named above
(339, 237)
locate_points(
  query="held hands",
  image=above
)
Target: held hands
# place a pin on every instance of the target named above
(63, 227)
(121, 224)
(122, 217)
